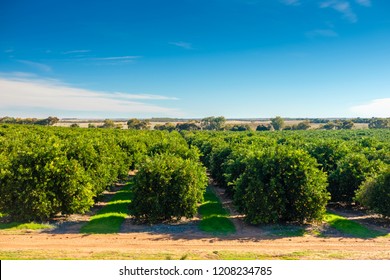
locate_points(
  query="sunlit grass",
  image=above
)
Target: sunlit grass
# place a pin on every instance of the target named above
(351, 228)
(24, 226)
(31, 254)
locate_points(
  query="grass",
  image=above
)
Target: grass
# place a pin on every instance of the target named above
(136, 254)
(286, 230)
(24, 226)
(214, 217)
(110, 218)
(350, 228)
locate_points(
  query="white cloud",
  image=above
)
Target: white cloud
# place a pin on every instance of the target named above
(39, 66)
(76, 51)
(322, 33)
(19, 94)
(127, 57)
(292, 2)
(113, 60)
(183, 45)
(342, 7)
(366, 3)
(374, 108)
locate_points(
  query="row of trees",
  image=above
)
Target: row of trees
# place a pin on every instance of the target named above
(47, 121)
(215, 123)
(45, 171)
(271, 176)
(277, 123)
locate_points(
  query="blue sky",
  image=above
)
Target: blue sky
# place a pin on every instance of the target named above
(195, 58)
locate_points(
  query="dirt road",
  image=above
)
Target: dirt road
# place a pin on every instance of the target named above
(146, 245)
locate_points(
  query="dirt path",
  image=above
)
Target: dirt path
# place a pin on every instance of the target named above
(160, 241)
(80, 246)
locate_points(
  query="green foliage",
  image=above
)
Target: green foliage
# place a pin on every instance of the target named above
(39, 181)
(281, 184)
(277, 123)
(239, 127)
(352, 170)
(108, 124)
(166, 126)
(213, 123)
(328, 153)
(217, 158)
(46, 171)
(338, 124)
(379, 123)
(346, 124)
(138, 124)
(263, 127)
(167, 187)
(303, 125)
(47, 121)
(188, 126)
(375, 193)
(329, 126)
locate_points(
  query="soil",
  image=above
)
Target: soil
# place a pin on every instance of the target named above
(184, 236)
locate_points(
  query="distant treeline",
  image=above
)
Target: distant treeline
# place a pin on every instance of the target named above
(47, 121)
(355, 120)
(217, 123)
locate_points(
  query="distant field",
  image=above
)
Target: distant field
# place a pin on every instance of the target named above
(252, 124)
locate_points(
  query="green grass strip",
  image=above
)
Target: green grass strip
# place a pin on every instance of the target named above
(214, 217)
(349, 227)
(110, 218)
(24, 226)
(282, 230)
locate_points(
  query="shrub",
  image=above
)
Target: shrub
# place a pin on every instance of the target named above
(217, 158)
(351, 171)
(36, 185)
(375, 194)
(281, 184)
(167, 187)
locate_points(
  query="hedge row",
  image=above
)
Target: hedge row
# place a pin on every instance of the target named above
(261, 170)
(45, 171)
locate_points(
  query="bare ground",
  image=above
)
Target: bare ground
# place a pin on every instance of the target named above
(184, 238)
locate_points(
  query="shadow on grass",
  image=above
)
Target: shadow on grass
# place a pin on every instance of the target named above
(217, 225)
(110, 218)
(214, 217)
(106, 223)
(280, 230)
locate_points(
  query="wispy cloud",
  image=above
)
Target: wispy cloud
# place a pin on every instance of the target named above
(127, 57)
(322, 33)
(26, 95)
(76, 51)
(374, 108)
(342, 7)
(9, 51)
(366, 3)
(113, 60)
(184, 45)
(291, 2)
(38, 66)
